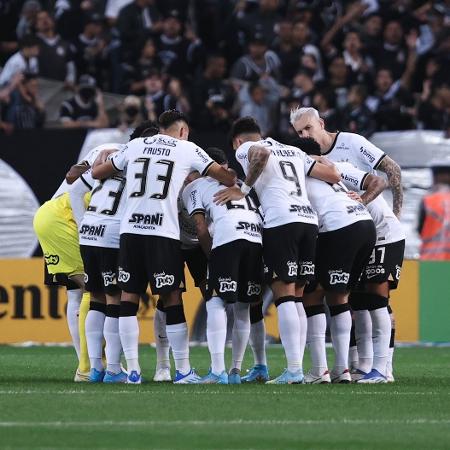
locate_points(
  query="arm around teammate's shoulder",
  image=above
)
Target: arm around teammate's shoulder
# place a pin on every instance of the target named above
(224, 176)
(325, 172)
(373, 186)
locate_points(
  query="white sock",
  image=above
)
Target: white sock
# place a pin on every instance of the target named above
(363, 335)
(340, 326)
(178, 336)
(129, 338)
(73, 308)
(303, 328)
(389, 367)
(317, 326)
(113, 347)
(161, 341)
(289, 326)
(216, 333)
(353, 357)
(94, 336)
(381, 332)
(258, 342)
(241, 333)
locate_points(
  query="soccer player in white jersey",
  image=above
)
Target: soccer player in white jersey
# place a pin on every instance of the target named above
(277, 172)
(357, 150)
(235, 268)
(150, 248)
(370, 300)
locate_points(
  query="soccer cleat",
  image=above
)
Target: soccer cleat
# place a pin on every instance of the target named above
(258, 373)
(390, 377)
(96, 376)
(111, 377)
(81, 377)
(134, 377)
(288, 378)
(343, 377)
(357, 374)
(213, 378)
(190, 378)
(162, 375)
(373, 377)
(320, 379)
(234, 377)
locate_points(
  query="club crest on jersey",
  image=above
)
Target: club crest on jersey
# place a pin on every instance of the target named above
(227, 285)
(292, 268)
(253, 288)
(51, 260)
(307, 268)
(109, 278)
(123, 276)
(338, 277)
(161, 279)
(398, 271)
(367, 154)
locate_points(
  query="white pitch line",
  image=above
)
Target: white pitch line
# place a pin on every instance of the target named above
(202, 423)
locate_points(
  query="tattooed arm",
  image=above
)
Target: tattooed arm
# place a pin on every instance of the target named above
(394, 176)
(257, 157)
(373, 187)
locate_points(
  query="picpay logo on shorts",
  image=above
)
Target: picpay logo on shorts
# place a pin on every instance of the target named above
(161, 279)
(398, 271)
(302, 210)
(51, 260)
(147, 221)
(292, 268)
(109, 278)
(227, 285)
(367, 154)
(338, 277)
(123, 276)
(253, 288)
(307, 268)
(373, 271)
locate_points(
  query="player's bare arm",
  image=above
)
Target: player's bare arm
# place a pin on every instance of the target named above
(203, 233)
(75, 171)
(373, 186)
(325, 172)
(222, 175)
(394, 176)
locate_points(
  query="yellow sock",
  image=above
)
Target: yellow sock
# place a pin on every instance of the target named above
(84, 364)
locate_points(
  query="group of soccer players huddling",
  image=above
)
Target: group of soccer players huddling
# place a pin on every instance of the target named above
(307, 224)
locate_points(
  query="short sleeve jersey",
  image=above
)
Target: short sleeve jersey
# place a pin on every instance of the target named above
(389, 229)
(188, 232)
(238, 219)
(156, 168)
(281, 187)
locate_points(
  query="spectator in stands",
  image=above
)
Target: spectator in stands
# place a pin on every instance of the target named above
(55, 55)
(176, 97)
(339, 79)
(112, 10)
(28, 16)
(303, 87)
(25, 110)
(309, 61)
(85, 109)
(360, 65)
(434, 108)
(371, 32)
(25, 60)
(324, 101)
(5, 96)
(130, 113)
(283, 46)
(356, 117)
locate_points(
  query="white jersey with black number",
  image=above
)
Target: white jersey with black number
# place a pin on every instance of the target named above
(100, 226)
(235, 220)
(188, 231)
(334, 207)
(357, 150)
(281, 187)
(389, 229)
(156, 169)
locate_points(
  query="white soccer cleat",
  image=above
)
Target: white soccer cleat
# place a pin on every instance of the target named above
(390, 377)
(162, 375)
(342, 377)
(357, 374)
(321, 379)
(81, 377)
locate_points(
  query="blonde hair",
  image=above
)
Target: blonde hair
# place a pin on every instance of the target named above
(298, 112)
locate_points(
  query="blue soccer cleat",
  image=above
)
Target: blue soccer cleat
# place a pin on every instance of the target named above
(96, 376)
(258, 373)
(190, 378)
(288, 378)
(373, 377)
(213, 378)
(234, 377)
(134, 377)
(111, 377)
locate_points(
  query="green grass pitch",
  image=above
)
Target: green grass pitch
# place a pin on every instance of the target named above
(41, 408)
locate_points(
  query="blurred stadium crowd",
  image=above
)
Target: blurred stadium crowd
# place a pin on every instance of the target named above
(370, 65)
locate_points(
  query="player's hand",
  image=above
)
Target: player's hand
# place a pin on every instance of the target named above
(355, 196)
(227, 195)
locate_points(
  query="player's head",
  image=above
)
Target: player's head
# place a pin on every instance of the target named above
(243, 130)
(218, 155)
(307, 123)
(145, 129)
(307, 144)
(175, 124)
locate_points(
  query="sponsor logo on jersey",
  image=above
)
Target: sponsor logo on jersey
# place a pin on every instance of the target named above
(373, 271)
(292, 268)
(367, 154)
(350, 179)
(249, 226)
(109, 278)
(93, 230)
(398, 271)
(307, 268)
(302, 210)
(147, 219)
(355, 209)
(123, 276)
(201, 155)
(161, 279)
(227, 285)
(51, 260)
(338, 277)
(253, 288)
(193, 196)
